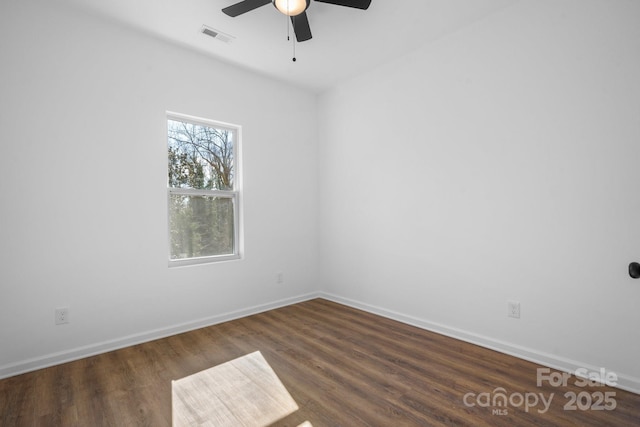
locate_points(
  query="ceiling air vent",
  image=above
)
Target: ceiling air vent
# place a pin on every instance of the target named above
(218, 35)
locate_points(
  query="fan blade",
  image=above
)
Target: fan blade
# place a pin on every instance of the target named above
(301, 27)
(244, 7)
(358, 4)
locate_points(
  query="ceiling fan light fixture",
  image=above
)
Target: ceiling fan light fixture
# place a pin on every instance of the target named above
(291, 7)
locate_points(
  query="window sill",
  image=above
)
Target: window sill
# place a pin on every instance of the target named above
(202, 260)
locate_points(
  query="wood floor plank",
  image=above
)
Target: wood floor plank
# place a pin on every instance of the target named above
(343, 367)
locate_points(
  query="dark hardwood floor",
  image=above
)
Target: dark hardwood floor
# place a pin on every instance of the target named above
(344, 367)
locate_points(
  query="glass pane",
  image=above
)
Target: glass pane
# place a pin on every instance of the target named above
(200, 157)
(200, 226)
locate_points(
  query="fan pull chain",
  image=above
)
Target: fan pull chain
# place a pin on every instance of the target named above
(292, 20)
(293, 40)
(287, 21)
(294, 48)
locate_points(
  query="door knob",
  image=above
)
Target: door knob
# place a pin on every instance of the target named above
(634, 270)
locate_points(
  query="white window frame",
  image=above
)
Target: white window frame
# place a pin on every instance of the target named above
(234, 195)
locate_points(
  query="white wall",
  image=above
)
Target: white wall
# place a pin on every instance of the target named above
(501, 163)
(497, 164)
(83, 182)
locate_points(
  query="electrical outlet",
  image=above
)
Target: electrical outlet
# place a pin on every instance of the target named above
(513, 309)
(280, 277)
(62, 315)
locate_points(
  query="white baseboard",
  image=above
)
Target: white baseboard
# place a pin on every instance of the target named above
(52, 359)
(624, 382)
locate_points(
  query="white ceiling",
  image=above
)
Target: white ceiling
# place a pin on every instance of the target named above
(345, 43)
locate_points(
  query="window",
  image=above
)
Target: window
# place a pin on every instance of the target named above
(203, 195)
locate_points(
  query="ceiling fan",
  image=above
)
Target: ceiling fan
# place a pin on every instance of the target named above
(296, 9)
